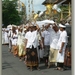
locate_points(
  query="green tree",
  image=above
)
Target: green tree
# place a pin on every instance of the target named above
(10, 14)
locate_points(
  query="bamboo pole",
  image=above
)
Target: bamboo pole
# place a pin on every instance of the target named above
(61, 15)
(19, 6)
(69, 9)
(29, 9)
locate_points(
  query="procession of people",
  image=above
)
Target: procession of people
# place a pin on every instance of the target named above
(32, 43)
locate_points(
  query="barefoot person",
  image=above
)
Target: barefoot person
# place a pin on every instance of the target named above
(31, 47)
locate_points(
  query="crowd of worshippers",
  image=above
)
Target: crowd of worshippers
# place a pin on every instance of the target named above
(33, 44)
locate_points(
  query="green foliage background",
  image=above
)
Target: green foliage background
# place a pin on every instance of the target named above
(9, 13)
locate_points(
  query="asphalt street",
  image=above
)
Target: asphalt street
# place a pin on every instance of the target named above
(13, 66)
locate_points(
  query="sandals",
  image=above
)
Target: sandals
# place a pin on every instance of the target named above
(38, 69)
(31, 69)
(58, 68)
(48, 67)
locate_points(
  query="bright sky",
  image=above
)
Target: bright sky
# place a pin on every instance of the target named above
(37, 5)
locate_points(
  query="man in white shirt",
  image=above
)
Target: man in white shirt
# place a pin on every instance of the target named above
(31, 44)
(3, 40)
(46, 44)
(10, 37)
(61, 46)
(54, 36)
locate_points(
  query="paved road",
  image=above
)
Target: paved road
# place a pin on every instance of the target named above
(12, 66)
